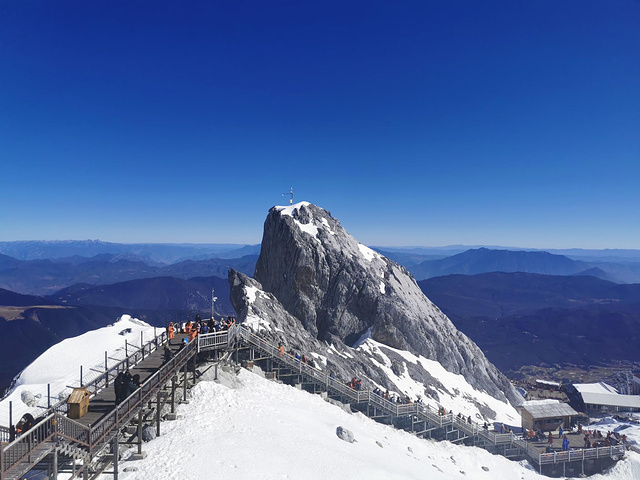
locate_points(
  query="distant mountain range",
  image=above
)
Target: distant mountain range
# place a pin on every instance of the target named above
(160, 253)
(158, 293)
(482, 260)
(45, 277)
(529, 319)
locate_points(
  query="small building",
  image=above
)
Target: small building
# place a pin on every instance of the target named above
(600, 397)
(546, 415)
(78, 403)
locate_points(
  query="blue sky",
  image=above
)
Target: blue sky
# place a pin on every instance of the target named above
(415, 123)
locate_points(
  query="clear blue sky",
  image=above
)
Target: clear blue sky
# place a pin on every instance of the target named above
(415, 123)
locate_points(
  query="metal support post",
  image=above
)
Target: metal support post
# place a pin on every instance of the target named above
(54, 475)
(194, 368)
(158, 407)
(173, 394)
(140, 431)
(115, 457)
(184, 382)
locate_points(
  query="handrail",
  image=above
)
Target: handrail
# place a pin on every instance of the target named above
(22, 447)
(92, 437)
(423, 411)
(581, 454)
(101, 430)
(102, 380)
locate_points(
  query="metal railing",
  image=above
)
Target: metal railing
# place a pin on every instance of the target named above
(25, 447)
(420, 410)
(91, 438)
(106, 378)
(581, 454)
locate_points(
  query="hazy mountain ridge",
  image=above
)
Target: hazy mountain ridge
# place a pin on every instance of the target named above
(45, 277)
(482, 260)
(157, 293)
(522, 319)
(162, 253)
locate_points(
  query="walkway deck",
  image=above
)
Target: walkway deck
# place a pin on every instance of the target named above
(86, 438)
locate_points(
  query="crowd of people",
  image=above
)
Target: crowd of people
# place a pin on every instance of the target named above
(197, 326)
(592, 438)
(125, 384)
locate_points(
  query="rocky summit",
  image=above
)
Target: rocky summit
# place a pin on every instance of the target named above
(317, 287)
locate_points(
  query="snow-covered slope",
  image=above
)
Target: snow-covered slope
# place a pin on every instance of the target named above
(247, 427)
(59, 366)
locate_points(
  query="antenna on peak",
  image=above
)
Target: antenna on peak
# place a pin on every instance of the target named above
(289, 193)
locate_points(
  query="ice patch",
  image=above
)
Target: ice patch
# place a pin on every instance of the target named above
(321, 358)
(308, 228)
(326, 224)
(251, 293)
(367, 253)
(257, 323)
(289, 209)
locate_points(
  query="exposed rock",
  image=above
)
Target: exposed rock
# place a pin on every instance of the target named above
(345, 435)
(316, 289)
(148, 433)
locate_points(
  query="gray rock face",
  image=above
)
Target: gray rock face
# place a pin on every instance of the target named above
(346, 435)
(311, 273)
(319, 292)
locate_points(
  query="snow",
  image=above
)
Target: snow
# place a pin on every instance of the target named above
(251, 293)
(257, 323)
(368, 253)
(59, 366)
(328, 227)
(599, 387)
(459, 396)
(308, 228)
(249, 427)
(246, 427)
(289, 209)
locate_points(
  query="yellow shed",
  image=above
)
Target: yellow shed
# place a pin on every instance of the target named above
(78, 402)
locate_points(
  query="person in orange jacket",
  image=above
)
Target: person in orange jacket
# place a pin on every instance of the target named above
(192, 333)
(171, 332)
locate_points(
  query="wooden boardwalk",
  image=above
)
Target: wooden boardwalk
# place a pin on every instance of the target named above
(104, 401)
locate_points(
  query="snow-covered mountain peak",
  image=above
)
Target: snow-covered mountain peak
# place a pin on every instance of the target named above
(335, 289)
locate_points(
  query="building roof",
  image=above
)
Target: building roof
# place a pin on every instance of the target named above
(547, 382)
(599, 387)
(549, 409)
(611, 400)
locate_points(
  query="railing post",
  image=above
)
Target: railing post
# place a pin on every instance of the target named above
(158, 413)
(184, 387)
(139, 431)
(115, 457)
(173, 391)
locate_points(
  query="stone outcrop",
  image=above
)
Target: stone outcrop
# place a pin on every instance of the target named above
(316, 282)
